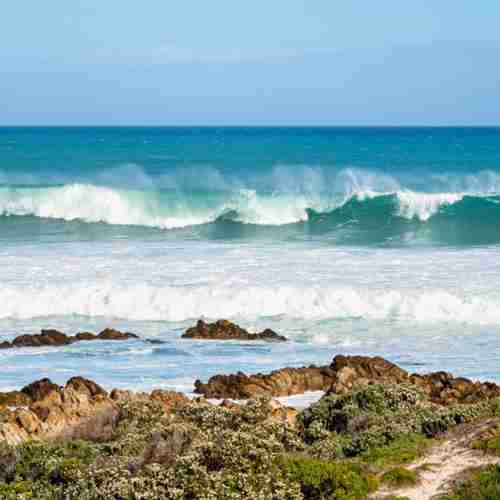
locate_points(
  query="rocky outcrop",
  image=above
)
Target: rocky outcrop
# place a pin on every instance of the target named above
(345, 373)
(285, 382)
(225, 330)
(43, 411)
(57, 338)
(81, 409)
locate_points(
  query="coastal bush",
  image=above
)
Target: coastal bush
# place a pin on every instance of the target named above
(483, 485)
(399, 477)
(321, 479)
(372, 417)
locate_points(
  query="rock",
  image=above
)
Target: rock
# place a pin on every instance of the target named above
(285, 382)
(14, 398)
(345, 373)
(80, 384)
(55, 338)
(83, 336)
(112, 334)
(81, 409)
(362, 370)
(45, 338)
(225, 330)
(170, 399)
(40, 389)
(121, 395)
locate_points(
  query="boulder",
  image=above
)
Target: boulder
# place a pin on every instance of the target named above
(112, 334)
(225, 330)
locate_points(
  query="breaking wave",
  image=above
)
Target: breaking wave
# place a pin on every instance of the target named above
(170, 303)
(376, 215)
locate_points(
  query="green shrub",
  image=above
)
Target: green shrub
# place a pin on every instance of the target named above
(319, 479)
(483, 485)
(400, 477)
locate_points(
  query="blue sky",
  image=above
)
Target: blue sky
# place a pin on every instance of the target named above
(227, 62)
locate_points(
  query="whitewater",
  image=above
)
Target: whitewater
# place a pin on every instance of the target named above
(346, 241)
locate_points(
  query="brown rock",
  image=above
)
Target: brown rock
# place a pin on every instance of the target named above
(285, 382)
(45, 338)
(40, 389)
(14, 398)
(170, 399)
(225, 330)
(82, 336)
(80, 384)
(6, 345)
(79, 410)
(112, 334)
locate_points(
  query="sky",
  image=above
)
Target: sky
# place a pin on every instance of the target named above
(322, 62)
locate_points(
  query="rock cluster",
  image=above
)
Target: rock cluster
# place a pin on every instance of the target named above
(284, 382)
(343, 374)
(56, 338)
(43, 410)
(81, 409)
(225, 330)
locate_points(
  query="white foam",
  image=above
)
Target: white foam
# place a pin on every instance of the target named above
(424, 205)
(146, 302)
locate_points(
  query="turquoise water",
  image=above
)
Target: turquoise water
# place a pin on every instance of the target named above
(347, 240)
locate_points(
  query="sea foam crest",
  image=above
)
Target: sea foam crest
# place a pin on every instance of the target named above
(168, 303)
(173, 209)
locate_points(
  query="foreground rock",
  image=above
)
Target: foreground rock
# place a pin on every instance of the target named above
(225, 330)
(44, 411)
(57, 338)
(343, 374)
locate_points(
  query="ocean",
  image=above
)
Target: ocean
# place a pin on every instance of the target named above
(379, 241)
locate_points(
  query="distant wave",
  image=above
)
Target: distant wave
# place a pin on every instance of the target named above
(384, 214)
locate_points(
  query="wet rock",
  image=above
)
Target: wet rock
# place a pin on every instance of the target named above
(225, 330)
(112, 334)
(56, 338)
(285, 382)
(85, 336)
(45, 338)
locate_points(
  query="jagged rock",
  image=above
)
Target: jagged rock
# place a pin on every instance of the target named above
(40, 389)
(112, 334)
(80, 384)
(345, 373)
(362, 370)
(57, 338)
(285, 382)
(225, 330)
(81, 409)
